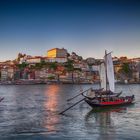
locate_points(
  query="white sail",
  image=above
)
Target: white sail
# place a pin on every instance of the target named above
(110, 72)
(102, 76)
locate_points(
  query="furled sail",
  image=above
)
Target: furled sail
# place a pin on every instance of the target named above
(110, 72)
(102, 76)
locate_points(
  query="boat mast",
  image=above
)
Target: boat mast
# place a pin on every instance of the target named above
(106, 68)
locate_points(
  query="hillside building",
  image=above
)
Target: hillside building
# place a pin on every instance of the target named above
(56, 52)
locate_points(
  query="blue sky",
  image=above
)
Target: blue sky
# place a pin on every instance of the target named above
(87, 27)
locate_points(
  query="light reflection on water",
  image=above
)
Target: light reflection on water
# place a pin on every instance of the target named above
(51, 105)
(31, 112)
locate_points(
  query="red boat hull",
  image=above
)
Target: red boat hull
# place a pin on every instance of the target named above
(110, 103)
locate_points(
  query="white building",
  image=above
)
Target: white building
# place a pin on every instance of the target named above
(34, 60)
(56, 59)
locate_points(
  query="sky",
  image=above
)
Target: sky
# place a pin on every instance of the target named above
(87, 27)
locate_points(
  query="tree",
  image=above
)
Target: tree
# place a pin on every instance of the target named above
(125, 70)
(70, 68)
(68, 55)
(41, 65)
(53, 65)
(80, 58)
(38, 66)
(22, 66)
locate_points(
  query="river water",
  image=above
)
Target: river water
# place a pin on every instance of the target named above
(30, 112)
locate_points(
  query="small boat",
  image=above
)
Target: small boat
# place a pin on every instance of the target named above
(1, 99)
(107, 96)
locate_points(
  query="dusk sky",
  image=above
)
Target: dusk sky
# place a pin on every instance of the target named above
(87, 27)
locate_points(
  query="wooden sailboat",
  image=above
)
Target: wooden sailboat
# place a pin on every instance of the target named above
(108, 97)
(104, 96)
(1, 99)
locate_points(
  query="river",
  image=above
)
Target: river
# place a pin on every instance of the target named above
(31, 112)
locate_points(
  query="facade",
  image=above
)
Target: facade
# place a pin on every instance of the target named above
(7, 73)
(56, 59)
(34, 60)
(17, 75)
(117, 68)
(4, 75)
(56, 52)
(10, 71)
(41, 74)
(137, 60)
(90, 60)
(136, 76)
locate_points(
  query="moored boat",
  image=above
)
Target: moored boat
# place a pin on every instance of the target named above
(108, 97)
(111, 101)
(105, 96)
(1, 98)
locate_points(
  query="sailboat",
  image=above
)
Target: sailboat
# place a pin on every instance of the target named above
(107, 96)
(1, 98)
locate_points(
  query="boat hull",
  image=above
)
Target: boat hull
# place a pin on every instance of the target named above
(1, 99)
(110, 103)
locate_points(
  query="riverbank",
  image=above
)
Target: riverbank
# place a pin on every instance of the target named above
(36, 82)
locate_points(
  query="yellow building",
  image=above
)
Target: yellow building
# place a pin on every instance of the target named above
(56, 52)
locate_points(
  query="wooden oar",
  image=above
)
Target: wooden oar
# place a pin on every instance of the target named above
(72, 106)
(119, 94)
(77, 95)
